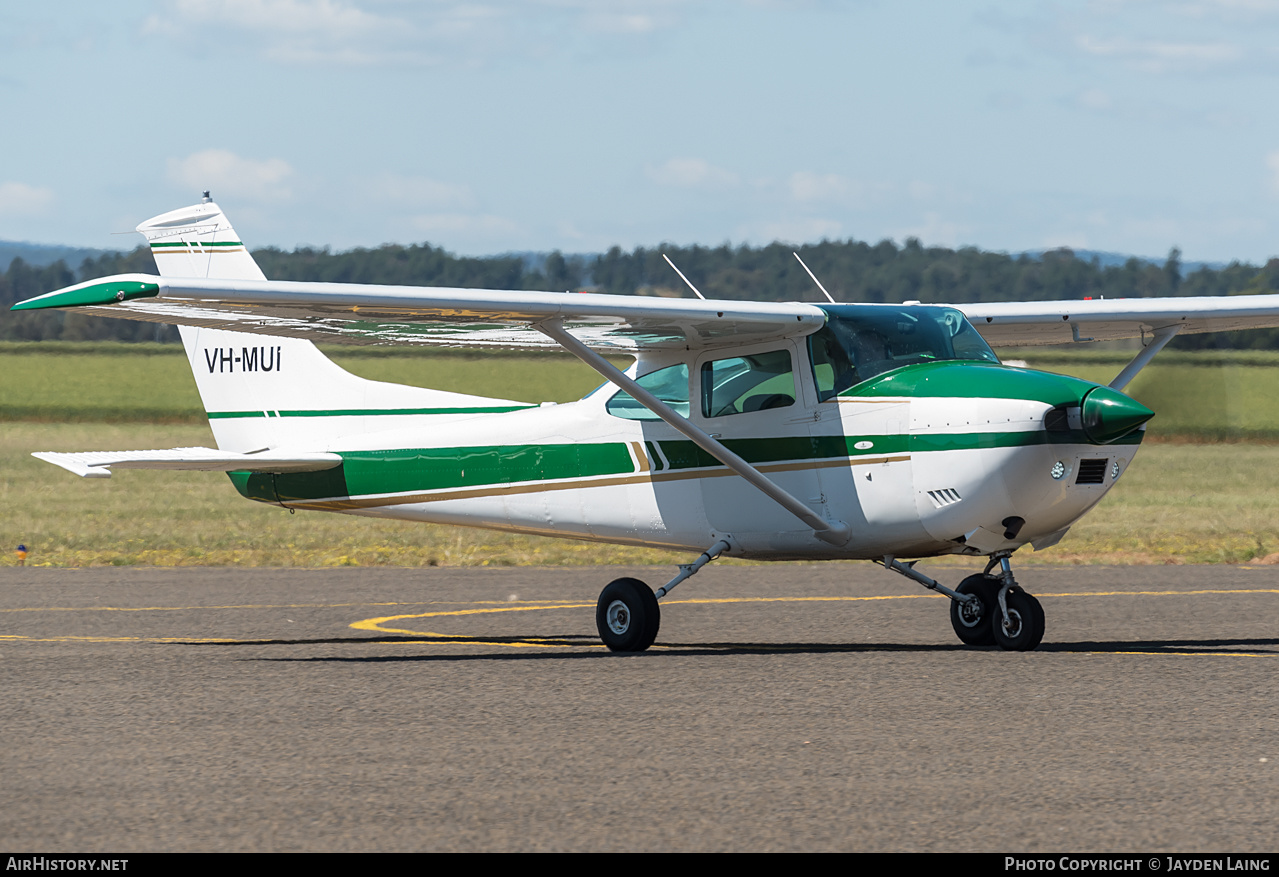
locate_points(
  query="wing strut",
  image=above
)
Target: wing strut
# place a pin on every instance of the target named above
(836, 533)
(1161, 337)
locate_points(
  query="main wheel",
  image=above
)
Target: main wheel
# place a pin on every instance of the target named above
(1025, 623)
(627, 616)
(973, 622)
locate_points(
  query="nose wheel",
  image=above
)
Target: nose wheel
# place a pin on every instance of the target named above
(1022, 626)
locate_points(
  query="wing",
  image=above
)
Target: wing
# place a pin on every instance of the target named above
(1016, 324)
(371, 314)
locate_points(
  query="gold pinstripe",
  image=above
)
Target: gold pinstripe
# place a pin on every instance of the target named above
(334, 505)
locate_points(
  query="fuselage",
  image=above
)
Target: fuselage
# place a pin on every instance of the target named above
(920, 454)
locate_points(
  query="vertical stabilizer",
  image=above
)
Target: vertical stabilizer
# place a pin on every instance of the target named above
(199, 242)
(262, 391)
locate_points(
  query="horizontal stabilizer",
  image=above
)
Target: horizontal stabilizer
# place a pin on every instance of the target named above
(96, 464)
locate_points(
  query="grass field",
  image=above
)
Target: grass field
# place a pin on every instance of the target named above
(122, 383)
(197, 518)
(1209, 395)
(1179, 502)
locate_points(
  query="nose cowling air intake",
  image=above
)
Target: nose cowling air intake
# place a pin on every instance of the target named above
(1108, 415)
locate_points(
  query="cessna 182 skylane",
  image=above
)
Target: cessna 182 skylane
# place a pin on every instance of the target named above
(744, 429)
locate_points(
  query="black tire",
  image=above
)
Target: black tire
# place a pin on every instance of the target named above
(627, 616)
(975, 626)
(1027, 618)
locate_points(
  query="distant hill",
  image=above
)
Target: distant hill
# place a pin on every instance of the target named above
(1118, 260)
(42, 255)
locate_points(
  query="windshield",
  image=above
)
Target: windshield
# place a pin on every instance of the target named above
(861, 341)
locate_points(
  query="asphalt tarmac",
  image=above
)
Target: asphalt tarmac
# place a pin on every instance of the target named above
(785, 707)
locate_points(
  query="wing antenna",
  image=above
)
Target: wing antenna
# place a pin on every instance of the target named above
(682, 277)
(814, 276)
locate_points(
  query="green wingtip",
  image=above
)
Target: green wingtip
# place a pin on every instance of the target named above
(96, 292)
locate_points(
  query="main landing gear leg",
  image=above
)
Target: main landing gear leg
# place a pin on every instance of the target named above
(627, 615)
(986, 609)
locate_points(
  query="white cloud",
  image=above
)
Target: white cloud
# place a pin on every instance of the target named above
(690, 173)
(1217, 8)
(797, 231)
(1094, 99)
(472, 227)
(19, 199)
(1159, 57)
(935, 231)
(224, 172)
(633, 18)
(321, 17)
(1272, 162)
(368, 33)
(290, 31)
(626, 23)
(1069, 240)
(810, 187)
(921, 191)
(421, 192)
(1157, 231)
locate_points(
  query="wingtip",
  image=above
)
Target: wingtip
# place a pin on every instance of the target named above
(107, 291)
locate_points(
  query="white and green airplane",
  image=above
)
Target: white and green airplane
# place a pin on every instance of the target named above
(743, 429)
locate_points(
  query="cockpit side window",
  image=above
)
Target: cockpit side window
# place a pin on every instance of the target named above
(669, 384)
(859, 342)
(741, 384)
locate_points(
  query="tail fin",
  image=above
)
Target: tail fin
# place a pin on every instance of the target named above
(198, 241)
(267, 392)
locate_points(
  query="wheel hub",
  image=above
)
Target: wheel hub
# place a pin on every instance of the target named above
(619, 617)
(1012, 623)
(971, 612)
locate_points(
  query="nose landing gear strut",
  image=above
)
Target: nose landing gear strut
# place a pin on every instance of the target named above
(987, 609)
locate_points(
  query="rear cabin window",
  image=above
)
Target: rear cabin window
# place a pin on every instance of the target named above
(669, 384)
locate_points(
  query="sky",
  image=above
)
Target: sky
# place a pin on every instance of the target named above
(1129, 126)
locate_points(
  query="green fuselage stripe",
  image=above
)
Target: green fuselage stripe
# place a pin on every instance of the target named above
(419, 470)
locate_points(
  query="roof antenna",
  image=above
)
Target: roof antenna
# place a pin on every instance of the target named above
(682, 277)
(815, 280)
(207, 198)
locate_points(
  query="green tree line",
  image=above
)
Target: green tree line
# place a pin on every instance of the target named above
(853, 271)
